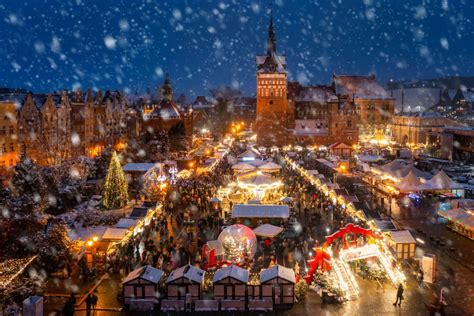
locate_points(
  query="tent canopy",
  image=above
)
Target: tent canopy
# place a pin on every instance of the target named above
(243, 166)
(270, 166)
(409, 184)
(114, 233)
(441, 181)
(258, 179)
(267, 230)
(462, 216)
(260, 210)
(250, 153)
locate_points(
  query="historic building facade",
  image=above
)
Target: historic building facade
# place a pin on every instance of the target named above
(288, 112)
(8, 136)
(56, 127)
(273, 111)
(413, 128)
(165, 115)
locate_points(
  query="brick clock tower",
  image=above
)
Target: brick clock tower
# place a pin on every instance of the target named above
(272, 104)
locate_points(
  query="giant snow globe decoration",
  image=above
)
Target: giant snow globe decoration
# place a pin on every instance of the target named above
(238, 242)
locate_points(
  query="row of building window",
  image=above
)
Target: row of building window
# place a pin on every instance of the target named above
(7, 148)
(271, 92)
(279, 82)
(3, 130)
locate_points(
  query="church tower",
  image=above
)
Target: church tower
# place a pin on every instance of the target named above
(166, 91)
(271, 124)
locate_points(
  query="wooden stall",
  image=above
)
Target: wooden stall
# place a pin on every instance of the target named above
(403, 243)
(142, 284)
(278, 283)
(230, 283)
(183, 281)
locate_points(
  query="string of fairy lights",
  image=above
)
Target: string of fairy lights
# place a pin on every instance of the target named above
(394, 272)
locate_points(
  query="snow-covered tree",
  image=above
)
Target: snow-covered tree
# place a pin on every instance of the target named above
(116, 186)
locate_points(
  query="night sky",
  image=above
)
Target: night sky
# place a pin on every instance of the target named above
(128, 45)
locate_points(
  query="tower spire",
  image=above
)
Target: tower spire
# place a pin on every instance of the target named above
(271, 41)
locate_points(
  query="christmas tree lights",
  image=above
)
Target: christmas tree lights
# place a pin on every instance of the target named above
(116, 186)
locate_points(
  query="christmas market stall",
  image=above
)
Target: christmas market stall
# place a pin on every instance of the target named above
(184, 281)
(142, 285)
(403, 243)
(278, 283)
(253, 213)
(267, 230)
(230, 283)
(460, 220)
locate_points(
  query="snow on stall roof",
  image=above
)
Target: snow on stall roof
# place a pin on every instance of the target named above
(189, 272)
(267, 230)
(147, 273)
(277, 271)
(441, 181)
(257, 210)
(166, 110)
(138, 166)
(114, 233)
(126, 223)
(402, 237)
(231, 271)
(269, 166)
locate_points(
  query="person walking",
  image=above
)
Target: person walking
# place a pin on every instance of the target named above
(88, 304)
(399, 296)
(94, 301)
(420, 277)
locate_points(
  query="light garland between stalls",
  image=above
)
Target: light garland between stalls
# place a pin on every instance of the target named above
(394, 273)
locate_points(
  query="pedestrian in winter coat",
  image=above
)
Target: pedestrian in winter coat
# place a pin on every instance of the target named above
(399, 295)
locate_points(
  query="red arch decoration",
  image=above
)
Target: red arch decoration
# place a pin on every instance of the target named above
(348, 229)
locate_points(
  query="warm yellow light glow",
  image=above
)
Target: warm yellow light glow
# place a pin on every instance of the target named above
(90, 243)
(95, 238)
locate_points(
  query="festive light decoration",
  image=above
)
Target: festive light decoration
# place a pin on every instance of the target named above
(343, 274)
(238, 242)
(154, 183)
(116, 186)
(12, 268)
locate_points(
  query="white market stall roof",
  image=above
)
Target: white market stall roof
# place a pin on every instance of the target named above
(411, 168)
(138, 167)
(402, 237)
(270, 166)
(258, 179)
(462, 216)
(441, 181)
(256, 162)
(260, 210)
(114, 233)
(189, 272)
(410, 183)
(369, 158)
(267, 230)
(126, 223)
(147, 273)
(277, 271)
(391, 167)
(250, 153)
(243, 166)
(232, 271)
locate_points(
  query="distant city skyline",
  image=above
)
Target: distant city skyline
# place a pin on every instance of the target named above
(207, 44)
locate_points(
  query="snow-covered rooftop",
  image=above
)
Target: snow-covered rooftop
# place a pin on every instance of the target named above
(257, 210)
(232, 271)
(277, 271)
(189, 272)
(359, 87)
(147, 273)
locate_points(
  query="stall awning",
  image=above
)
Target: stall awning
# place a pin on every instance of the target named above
(126, 223)
(260, 211)
(267, 230)
(402, 237)
(114, 233)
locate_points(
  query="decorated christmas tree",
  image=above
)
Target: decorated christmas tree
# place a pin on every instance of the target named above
(116, 186)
